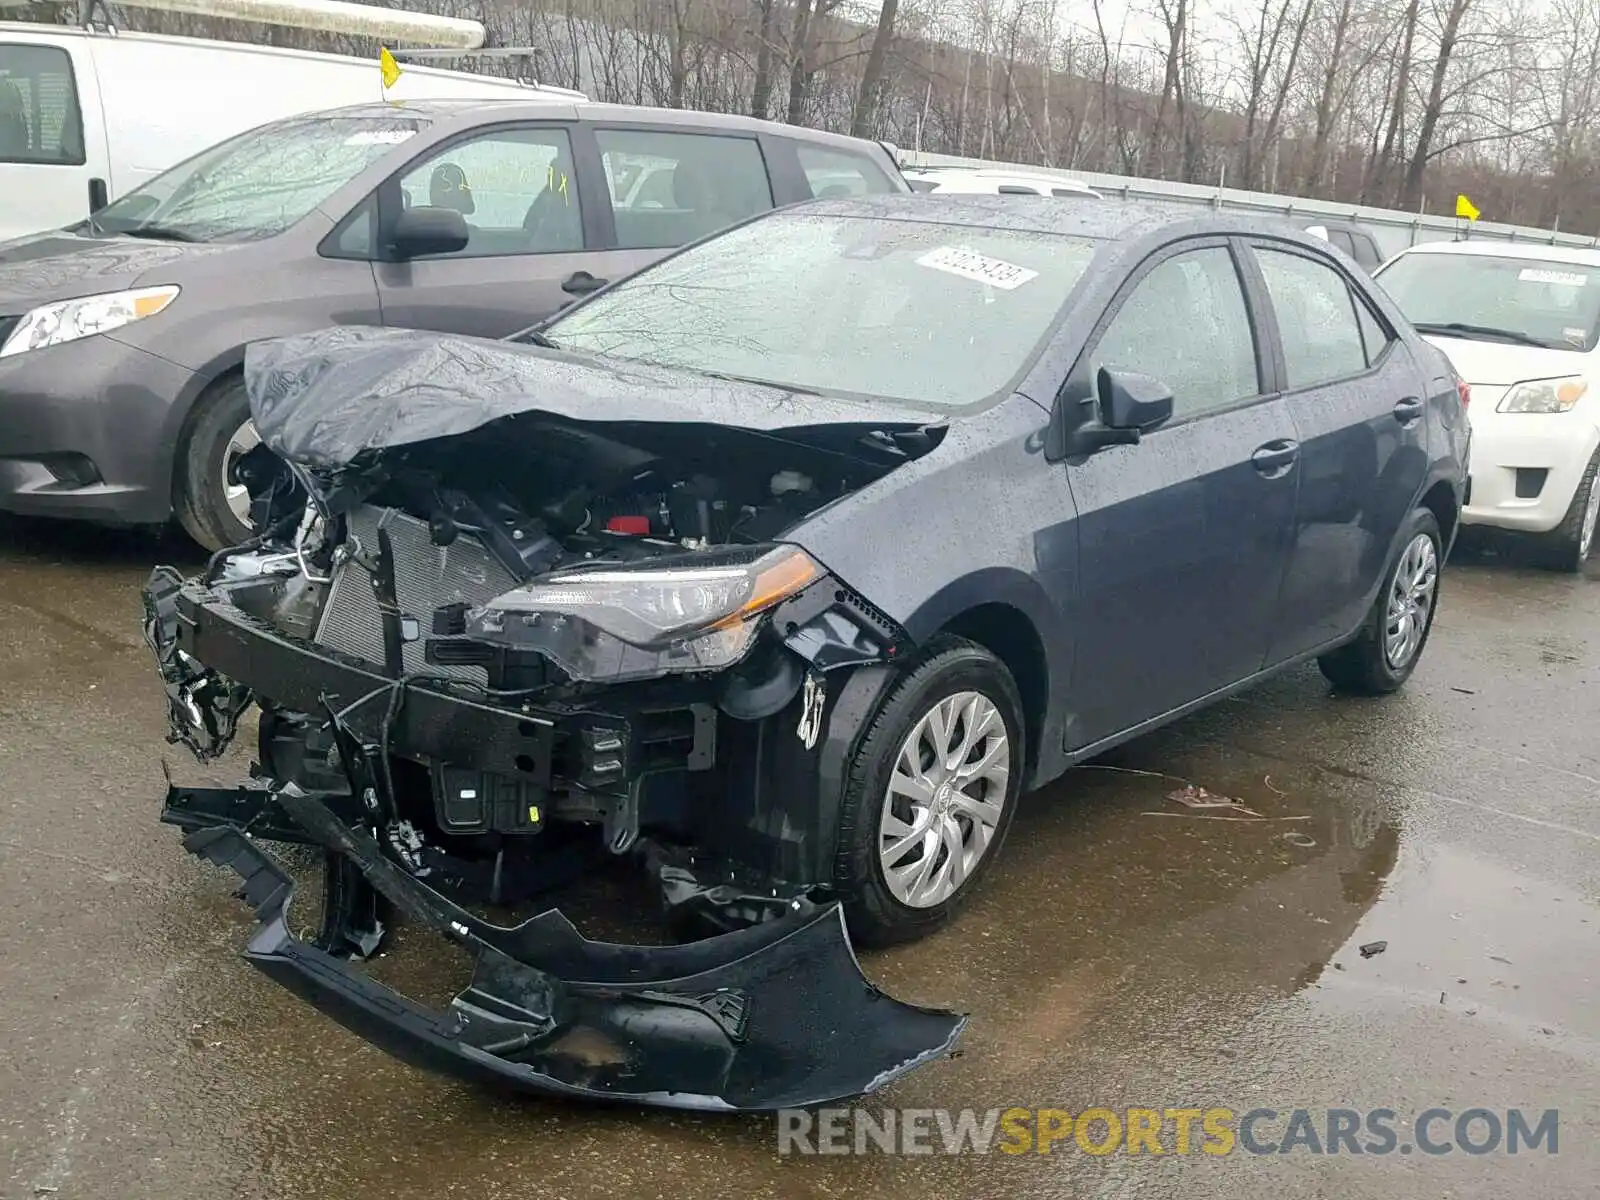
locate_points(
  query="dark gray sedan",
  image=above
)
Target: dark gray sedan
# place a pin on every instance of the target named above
(121, 339)
(781, 568)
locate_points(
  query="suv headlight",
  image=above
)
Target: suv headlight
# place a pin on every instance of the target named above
(1543, 396)
(633, 622)
(69, 320)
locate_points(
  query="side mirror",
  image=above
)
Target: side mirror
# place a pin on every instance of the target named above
(1127, 404)
(420, 231)
(1128, 400)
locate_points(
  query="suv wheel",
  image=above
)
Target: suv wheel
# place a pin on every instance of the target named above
(1390, 643)
(1567, 546)
(212, 507)
(930, 794)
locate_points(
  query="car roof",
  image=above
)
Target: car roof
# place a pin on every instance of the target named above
(478, 110)
(1124, 220)
(1582, 255)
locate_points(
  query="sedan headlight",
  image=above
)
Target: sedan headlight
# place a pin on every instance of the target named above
(69, 320)
(1543, 396)
(635, 622)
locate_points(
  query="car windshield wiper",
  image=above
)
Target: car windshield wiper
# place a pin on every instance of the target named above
(157, 233)
(534, 338)
(793, 388)
(1487, 331)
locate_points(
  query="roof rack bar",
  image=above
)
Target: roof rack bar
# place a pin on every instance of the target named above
(486, 52)
(327, 16)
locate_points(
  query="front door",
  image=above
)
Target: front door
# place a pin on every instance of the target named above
(1356, 398)
(518, 189)
(1183, 537)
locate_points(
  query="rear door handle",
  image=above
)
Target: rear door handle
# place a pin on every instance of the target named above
(1275, 458)
(1408, 410)
(581, 283)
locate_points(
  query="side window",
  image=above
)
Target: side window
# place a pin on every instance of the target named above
(671, 188)
(1186, 324)
(1316, 319)
(355, 235)
(1375, 338)
(1341, 238)
(1017, 189)
(840, 173)
(1071, 193)
(516, 188)
(39, 117)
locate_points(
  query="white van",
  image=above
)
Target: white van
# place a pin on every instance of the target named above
(86, 116)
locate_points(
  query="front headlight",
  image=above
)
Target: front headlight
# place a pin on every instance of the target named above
(618, 623)
(1543, 396)
(69, 320)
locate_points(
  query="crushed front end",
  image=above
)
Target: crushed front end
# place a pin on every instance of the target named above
(489, 661)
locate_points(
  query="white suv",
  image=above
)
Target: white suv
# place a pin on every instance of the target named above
(1520, 324)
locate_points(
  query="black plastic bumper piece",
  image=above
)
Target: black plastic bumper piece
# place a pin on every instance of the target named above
(774, 1016)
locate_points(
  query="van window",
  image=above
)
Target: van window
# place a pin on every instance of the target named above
(516, 188)
(840, 173)
(671, 188)
(39, 117)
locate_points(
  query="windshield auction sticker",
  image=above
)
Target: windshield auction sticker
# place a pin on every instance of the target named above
(1561, 278)
(969, 264)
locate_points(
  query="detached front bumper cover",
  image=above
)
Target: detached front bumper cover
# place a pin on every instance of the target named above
(777, 1015)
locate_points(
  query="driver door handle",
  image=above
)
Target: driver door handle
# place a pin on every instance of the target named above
(581, 283)
(1276, 457)
(1408, 410)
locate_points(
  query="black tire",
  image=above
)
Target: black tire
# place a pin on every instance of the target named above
(202, 508)
(947, 667)
(1362, 666)
(1563, 548)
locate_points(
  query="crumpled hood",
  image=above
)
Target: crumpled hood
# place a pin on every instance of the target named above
(1497, 364)
(62, 266)
(323, 399)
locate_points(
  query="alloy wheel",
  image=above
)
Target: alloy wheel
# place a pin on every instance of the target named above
(1591, 514)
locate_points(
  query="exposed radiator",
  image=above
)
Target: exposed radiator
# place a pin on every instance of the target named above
(425, 577)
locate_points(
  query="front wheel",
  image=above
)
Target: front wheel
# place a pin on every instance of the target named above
(212, 505)
(930, 794)
(1566, 547)
(1390, 643)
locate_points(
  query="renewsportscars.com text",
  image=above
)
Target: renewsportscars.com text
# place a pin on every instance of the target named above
(1168, 1131)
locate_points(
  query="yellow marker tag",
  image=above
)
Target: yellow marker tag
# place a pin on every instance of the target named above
(533, 814)
(389, 67)
(1466, 208)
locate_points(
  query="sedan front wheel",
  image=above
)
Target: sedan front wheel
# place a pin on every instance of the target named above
(930, 794)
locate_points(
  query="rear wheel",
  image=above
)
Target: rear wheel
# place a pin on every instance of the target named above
(1567, 546)
(211, 505)
(930, 794)
(1391, 641)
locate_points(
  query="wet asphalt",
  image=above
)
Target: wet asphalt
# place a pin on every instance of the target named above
(1130, 952)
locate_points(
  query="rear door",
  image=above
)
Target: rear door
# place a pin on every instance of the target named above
(532, 230)
(49, 153)
(1356, 398)
(1183, 537)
